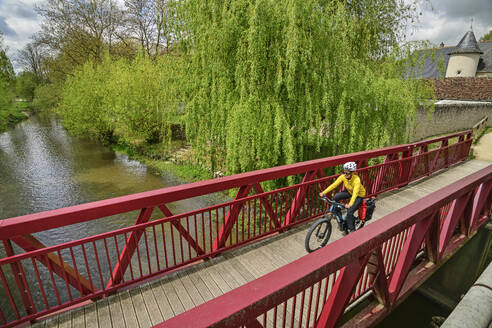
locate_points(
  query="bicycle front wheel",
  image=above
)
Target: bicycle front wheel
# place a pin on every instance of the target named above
(318, 235)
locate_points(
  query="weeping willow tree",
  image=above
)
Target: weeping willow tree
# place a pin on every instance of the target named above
(277, 82)
(132, 102)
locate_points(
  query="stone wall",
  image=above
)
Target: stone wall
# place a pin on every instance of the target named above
(451, 117)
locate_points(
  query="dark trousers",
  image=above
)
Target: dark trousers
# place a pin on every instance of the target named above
(350, 218)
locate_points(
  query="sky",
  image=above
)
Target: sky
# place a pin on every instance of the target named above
(441, 21)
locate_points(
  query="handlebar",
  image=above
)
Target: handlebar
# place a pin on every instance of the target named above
(334, 203)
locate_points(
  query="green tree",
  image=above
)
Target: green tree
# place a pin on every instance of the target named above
(487, 36)
(279, 82)
(263, 82)
(6, 69)
(7, 77)
(25, 84)
(133, 101)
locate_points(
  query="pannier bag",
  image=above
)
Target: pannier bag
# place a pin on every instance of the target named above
(362, 211)
(366, 209)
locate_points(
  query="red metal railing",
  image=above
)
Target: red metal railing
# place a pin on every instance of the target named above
(43, 279)
(315, 290)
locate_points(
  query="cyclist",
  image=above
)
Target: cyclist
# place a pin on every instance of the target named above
(353, 190)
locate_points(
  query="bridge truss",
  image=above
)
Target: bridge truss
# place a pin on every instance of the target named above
(38, 279)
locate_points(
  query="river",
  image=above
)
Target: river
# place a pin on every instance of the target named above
(42, 168)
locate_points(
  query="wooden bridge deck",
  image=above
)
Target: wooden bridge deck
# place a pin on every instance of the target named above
(159, 300)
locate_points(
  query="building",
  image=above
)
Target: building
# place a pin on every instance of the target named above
(467, 59)
(461, 77)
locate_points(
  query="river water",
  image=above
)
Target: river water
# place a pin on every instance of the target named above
(42, 168)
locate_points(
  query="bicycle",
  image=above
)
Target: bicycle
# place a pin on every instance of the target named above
(320, 232)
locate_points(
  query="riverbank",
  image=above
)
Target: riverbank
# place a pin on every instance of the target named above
(18, 112)
(178, 161)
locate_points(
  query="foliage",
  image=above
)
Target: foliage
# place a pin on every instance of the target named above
(257, 83)
(6, 70)
(9, 117)
(46, 96)
(9, 114)
(6, 95)
(25, 83)
(7, 77)
(134, 101)
(487, 36)
(279, 82)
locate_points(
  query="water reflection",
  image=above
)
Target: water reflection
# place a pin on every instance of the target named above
(43, 168)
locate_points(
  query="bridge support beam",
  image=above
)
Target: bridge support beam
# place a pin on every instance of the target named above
(341, 292)
(448, 279)
(475, 309)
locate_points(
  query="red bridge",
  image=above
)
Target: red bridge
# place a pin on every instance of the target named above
(242, 262)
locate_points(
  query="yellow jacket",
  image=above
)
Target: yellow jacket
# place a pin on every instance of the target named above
(353, 186)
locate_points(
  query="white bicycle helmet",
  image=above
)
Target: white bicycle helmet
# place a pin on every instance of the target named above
(350, 166)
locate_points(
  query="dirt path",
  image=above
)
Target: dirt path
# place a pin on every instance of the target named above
(483, 149)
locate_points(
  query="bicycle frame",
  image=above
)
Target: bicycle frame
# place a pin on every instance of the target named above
(335, 208)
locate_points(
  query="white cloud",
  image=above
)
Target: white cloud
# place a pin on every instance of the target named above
(448, 20)
(441, 21)
(18, 22)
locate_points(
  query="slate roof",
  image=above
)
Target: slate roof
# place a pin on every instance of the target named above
(467, 45)
(430, 67)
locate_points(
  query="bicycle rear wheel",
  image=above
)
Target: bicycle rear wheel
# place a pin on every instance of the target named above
(318, 234)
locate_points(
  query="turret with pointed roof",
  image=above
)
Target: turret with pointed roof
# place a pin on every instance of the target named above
(463, 60)
(467, 45)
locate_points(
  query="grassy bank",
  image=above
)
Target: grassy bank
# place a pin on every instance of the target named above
(166, 160)
(14, 114)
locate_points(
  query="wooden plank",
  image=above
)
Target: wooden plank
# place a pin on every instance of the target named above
(240, 268)
(234, 272)
(117, 317)
(293, 248)
(248, 265)
(258, 262)
(161, 300)
(172, 297)
(65, 320)
(195, 278)
(143, 317)
(192, 290)
(78, 318)
(51, 322)
(227, 276)
(275, 257)
(103, 313)
(91, 316)
(211, 285)
(182, 293)
(128, 310)
(211, 274)
(151, 304)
